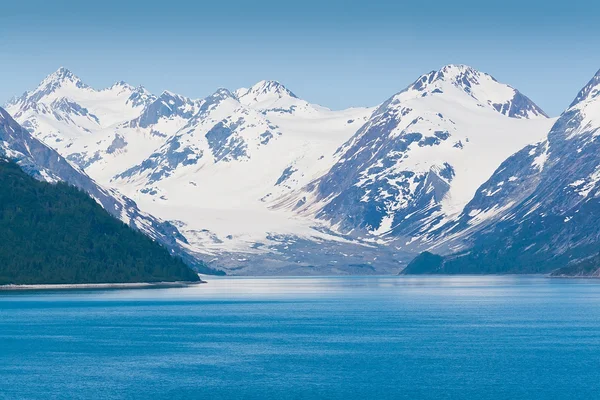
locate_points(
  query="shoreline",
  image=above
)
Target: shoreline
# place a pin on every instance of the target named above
(574, 276)
(76, 286)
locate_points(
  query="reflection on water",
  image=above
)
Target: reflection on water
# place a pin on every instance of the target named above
(504, 337)
(298, 288)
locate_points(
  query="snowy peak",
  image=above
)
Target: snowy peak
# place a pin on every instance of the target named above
(175, 101)
(61, 78)
(58, 79)
(121, 85)
(539, 210)
(461, 76)
(480, 86)
(168, 105)
(423, 154)
(65, 93)
(581, 121)
(220, 95)
(213, 101)
(589, 91)
(139, 96)
(172, 98)
(263, 91)
(136, 96)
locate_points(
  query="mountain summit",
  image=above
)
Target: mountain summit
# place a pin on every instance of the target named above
(46, 91)
(263, 173)
(589, 91)
(423, 153)
(479, 85)
(539, 211)
(263, 91)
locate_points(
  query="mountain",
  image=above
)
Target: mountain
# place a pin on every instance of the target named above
(54, 233)
(588, 267)
(421, 156)
(45, 164)
(218, 175)
(210, 166)
(540, 210)
(260, 181)
(85, 125)
(267, 95)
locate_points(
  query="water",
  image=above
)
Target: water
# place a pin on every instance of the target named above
(297, 338)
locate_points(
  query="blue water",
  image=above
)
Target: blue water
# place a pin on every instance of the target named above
(301, 338)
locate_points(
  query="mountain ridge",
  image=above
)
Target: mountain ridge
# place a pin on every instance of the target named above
(375, 187)
(254, 170)
(553, 222)
(43, 163)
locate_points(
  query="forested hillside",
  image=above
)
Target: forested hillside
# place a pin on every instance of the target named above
(54, 233)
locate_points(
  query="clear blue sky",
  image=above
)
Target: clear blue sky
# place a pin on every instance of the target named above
(335, 53)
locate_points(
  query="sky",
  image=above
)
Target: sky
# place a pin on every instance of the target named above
(335, 53)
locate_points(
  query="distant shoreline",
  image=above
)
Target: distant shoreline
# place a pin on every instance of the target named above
(134, 285)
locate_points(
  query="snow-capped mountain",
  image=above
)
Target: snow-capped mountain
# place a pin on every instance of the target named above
(540, 210)
(216, 176)
(63, 91)
(83, 124)
(267, 95)
(210, 165)
(44, 163)
(260, 174)
(213, 132)
(422, 155)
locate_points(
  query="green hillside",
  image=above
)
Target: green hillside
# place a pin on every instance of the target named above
(54, 233)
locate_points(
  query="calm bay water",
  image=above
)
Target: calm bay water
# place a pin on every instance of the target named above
(335, 338)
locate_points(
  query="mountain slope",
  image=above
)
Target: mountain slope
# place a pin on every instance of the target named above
(87, 126)
(588, 267)
(53, 233)
(549, 197)
(43, 163)
(218, 174)
(260, 176)
(211, 166)
(422, 155)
